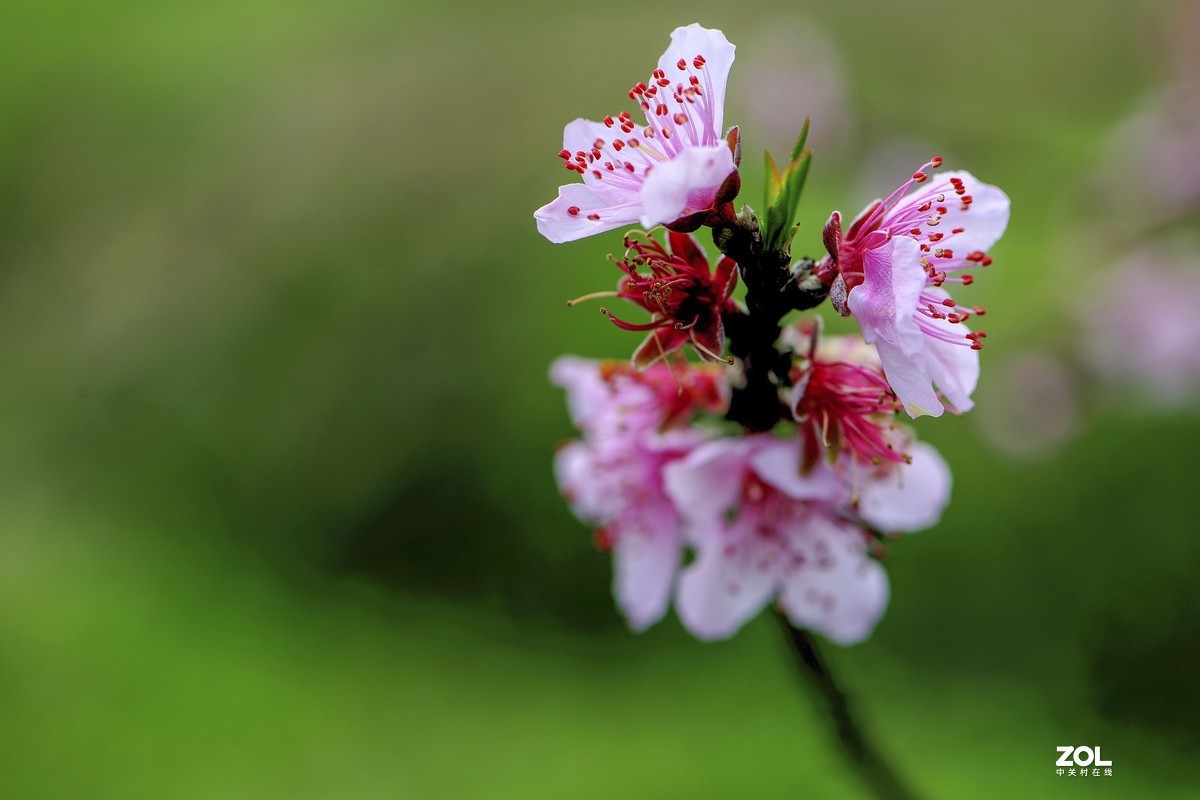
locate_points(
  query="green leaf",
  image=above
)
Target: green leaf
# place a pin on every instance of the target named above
(794, 180)
(774, 181)
(782, 212)
(798, 148)
(774, 187)
(783, 193)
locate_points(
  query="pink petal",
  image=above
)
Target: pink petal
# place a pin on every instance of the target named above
(885, 305)
(577, 473)
(587, 393)
(838, 591)
(910, 380)
(718, 593)
(585, 388)
(707, 482)
(659, 344)
(777, 462)
(675, 443)
(910, 497)
(686, 44)
(556, 222)
(684, 185)
(644, 566)
(581, 135)
(984, 221)
(885, 301)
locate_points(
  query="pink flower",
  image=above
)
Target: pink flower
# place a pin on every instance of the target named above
(618, 488)
(888, 270)
(685, 298)
(634, 425)
(676, 170)
(765, 531)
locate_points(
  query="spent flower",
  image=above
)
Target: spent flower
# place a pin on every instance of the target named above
(842, 401)
(685, 297)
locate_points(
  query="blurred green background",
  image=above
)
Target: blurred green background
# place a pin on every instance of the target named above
(277, 516)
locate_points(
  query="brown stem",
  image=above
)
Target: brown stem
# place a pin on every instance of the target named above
(870, 765)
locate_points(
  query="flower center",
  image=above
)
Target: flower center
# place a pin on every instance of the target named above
(849, 406)
(678, 114)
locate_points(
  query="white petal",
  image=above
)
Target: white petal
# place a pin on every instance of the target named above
(953, 367)
(955, 370)
(581, 135)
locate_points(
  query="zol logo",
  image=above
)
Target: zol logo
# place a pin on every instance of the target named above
(1082, 761)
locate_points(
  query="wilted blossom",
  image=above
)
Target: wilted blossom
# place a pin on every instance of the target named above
(678, 169)
(842, 401)
(634, 423)
(888, 270)
(765, 530)
(685, 298)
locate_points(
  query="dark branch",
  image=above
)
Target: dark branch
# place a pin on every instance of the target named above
(773, 288)
(870, 765)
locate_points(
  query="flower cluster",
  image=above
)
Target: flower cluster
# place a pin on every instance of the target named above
(763, 529)
(776, 474)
